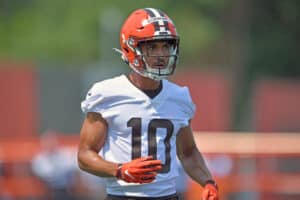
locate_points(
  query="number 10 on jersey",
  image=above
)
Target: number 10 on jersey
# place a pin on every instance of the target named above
(154, 124)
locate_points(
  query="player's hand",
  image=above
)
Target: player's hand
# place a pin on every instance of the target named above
(140, 170)
(210, 191)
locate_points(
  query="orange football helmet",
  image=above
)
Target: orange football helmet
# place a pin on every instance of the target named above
(143, 26)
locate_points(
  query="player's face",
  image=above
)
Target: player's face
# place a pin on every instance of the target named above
(157, 53)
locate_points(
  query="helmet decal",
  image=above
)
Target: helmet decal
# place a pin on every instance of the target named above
(159, 21)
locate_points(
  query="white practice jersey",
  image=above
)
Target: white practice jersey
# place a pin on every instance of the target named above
(140, 126)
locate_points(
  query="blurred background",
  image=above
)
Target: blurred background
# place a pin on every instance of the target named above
(239, 58)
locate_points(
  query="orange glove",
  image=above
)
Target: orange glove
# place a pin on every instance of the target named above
(140, 170)
(210, 191)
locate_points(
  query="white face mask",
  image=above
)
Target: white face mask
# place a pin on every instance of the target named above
(159, 58)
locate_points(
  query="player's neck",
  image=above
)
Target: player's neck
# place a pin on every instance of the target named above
(143, 83)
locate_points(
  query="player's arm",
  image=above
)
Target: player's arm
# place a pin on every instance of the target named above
(92, 138)
(190, 156)
(194, 164)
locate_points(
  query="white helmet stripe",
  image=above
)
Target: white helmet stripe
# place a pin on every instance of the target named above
(157, 14)
(160, 23)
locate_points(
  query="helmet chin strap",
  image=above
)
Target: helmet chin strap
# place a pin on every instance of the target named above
(144, 74)
(147, 75)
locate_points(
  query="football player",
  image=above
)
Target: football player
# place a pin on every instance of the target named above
(136, 124)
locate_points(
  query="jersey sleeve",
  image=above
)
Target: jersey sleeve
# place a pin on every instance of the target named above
(97, 101)
(93, 98)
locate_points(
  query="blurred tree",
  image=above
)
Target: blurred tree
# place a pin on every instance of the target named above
(69, 30)
(273, 49)
(274, 39)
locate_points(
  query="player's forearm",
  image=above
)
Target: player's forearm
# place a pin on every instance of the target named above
(196, 168)
(91, 162)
